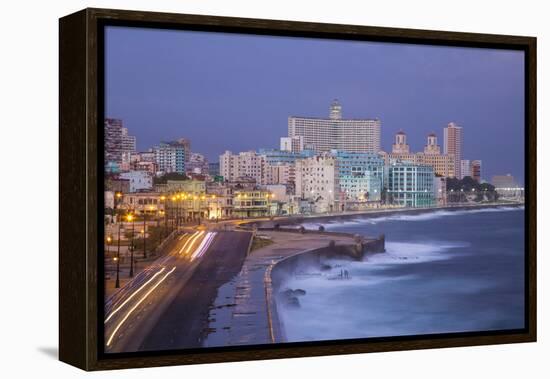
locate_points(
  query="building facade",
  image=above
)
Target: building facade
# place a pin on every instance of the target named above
(139, 180)
(316, 181)
(325, 134)
(128, 142)
(247, 164)
(360, 176)
(170, 157)
(465, 168)
(113, 141)
(411, 185)
(251, 203)
(452, 145)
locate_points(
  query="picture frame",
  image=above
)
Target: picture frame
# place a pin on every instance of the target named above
(81, 114)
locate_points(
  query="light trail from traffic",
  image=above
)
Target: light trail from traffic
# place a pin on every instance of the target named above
(187, 242)
(134, 294)
(193, 242)
(110, 340)
(203, 246)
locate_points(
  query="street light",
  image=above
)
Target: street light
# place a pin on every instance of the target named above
(117, 282)
(108, 241)
(130, 218)
(144, 233)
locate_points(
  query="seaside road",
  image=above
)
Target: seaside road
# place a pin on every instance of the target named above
(148, 313)
(126, 312)
(183, 324)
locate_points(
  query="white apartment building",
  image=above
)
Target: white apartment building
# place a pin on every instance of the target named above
(245, 164)
(325, 134)
(139, 180)
(316, 181)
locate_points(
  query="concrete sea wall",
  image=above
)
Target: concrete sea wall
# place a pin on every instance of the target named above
(278, 272)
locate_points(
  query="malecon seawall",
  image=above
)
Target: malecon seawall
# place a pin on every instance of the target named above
(279, 271)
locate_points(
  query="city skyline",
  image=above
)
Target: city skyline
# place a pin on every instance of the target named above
(488, 102)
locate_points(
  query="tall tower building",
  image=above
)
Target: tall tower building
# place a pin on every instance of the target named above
(432, 147)
(452, 145)
(400, 146)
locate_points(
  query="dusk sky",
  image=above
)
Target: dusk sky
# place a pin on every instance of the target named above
(235, 92)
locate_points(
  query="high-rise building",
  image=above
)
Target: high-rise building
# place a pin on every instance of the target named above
(452, 145)
(113, 141)
(335, 132)
(170, 157)
(475, 170)
(400, 145)
(411, 185)
(465, 169)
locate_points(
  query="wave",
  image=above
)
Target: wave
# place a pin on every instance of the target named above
(429, 215)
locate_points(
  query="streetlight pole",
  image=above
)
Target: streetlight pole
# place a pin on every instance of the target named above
(144, 233)
(132, 219)
(117, 282)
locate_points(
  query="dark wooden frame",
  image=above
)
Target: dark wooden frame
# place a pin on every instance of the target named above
(80, 197)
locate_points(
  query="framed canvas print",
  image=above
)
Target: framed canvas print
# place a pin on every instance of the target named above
(238, 189)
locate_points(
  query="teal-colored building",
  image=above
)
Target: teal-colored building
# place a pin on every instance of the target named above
(360, 175)
(410, 185)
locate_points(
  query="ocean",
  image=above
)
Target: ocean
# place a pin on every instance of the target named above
(443, 272)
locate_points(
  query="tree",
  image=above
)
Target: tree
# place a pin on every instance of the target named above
(169, 176)
(461, 187)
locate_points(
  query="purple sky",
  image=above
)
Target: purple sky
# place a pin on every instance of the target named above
(235, 92)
